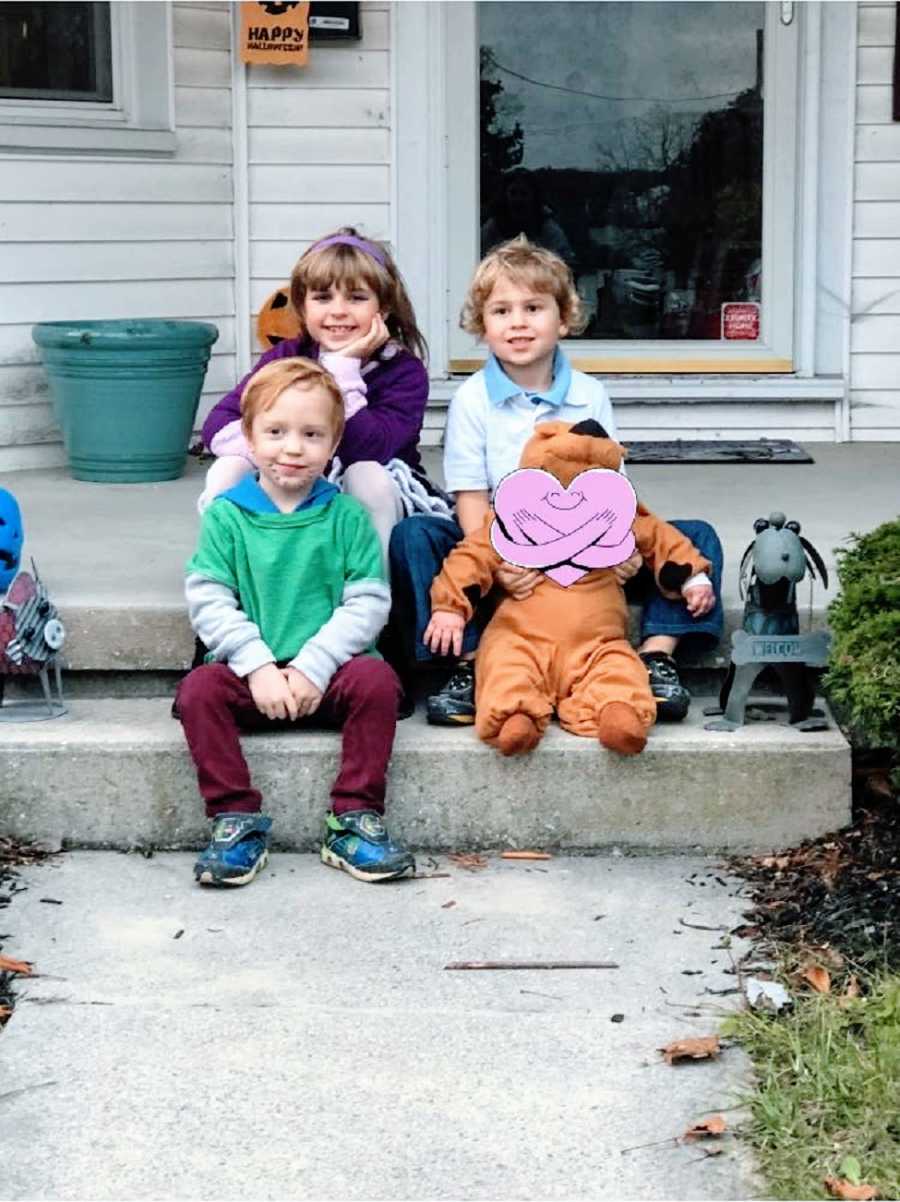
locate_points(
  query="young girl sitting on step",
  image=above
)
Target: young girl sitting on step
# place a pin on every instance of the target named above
(357, 320)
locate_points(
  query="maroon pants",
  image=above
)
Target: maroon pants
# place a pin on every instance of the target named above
(214, 706)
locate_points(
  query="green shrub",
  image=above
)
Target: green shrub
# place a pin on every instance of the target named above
(863, 677)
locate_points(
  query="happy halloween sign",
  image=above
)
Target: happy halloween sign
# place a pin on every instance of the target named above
(275, 33)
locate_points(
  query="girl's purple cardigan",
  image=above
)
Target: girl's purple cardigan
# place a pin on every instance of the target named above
(386, 428)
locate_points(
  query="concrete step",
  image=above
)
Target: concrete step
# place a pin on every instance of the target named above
(129, 637)
(158, 638)
(116, 773)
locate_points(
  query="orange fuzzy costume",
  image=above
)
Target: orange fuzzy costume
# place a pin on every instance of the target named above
(563, 649)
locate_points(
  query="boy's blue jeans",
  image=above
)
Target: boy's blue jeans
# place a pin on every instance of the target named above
(420, 544)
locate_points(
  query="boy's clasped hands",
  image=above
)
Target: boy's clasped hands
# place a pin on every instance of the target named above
(283, 692)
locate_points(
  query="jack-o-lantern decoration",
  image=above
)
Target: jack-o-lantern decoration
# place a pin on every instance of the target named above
(277, 320)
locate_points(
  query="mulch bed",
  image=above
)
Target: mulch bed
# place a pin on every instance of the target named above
(841, 891)
(13, 855)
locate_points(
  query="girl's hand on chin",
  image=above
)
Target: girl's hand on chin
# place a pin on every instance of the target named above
(367, 344)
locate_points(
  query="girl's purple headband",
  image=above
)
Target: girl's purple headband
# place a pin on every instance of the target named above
(368, 248)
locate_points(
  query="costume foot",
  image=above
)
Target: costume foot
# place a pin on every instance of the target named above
(518, 735)
(620, 729)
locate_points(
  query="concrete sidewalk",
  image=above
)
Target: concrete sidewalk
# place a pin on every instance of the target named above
(301, 1038)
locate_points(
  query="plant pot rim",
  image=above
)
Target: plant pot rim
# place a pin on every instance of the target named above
(123, 333)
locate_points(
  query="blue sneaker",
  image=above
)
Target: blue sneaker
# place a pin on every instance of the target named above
(359, 843)
(238, 849)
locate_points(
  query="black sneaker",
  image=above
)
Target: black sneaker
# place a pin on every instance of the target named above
(454, 705)
(672, 698)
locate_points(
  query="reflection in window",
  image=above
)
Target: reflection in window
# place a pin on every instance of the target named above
(55, 52)
(628, 138)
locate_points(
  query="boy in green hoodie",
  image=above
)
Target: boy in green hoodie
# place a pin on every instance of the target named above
(287, 592)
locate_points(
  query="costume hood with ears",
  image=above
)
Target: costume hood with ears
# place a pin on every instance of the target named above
(566, 450)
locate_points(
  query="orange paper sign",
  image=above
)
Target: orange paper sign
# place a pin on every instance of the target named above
(275, 33)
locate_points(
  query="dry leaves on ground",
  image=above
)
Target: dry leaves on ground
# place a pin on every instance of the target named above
(713, 1126)
(701, 1047)
(470, 860)
(817, 978)
(8, 964)
(838, 1188)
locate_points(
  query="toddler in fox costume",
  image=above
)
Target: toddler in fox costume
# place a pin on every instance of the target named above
(562, 648)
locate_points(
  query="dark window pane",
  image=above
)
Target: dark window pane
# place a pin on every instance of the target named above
(55, 52)
(628, 138)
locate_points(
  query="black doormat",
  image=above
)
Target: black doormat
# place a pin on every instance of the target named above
(718, 450)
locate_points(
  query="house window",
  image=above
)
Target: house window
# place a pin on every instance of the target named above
(86, 78)
(652, 146)
(55, 52)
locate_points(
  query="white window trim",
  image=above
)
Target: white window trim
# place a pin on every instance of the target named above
(775, 346)
(141, 117)
(422, 217)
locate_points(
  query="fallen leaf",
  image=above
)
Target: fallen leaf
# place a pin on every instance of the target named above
(525, 855)
(447, 905)
(817, 978)
(701, 1047)
(5, 1012)
(777, 862)
(8, 964)
(851, 989)
(470, 860)
(714, 1125)
(838, 1188)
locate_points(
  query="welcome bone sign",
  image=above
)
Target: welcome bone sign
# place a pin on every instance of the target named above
(275, 33)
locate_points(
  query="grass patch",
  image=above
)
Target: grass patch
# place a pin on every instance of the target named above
(828, 1077)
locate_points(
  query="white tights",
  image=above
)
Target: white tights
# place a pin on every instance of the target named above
(368, 481)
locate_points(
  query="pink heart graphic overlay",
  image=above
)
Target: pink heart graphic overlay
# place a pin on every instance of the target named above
(565, 532)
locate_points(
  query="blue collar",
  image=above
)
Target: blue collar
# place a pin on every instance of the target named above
(500, 388)
(248, 495)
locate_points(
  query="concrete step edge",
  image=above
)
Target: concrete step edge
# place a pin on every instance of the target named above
(117, 773)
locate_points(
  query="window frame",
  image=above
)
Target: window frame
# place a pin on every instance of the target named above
(140, 119)
(435, 217)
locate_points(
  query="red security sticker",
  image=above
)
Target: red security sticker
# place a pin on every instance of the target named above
(740, 321)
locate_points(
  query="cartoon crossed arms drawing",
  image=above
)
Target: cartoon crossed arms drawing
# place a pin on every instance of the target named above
(564, 532)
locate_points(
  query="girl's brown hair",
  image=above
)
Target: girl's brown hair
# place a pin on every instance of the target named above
(348, 267)
(266, 385)
(529, 266)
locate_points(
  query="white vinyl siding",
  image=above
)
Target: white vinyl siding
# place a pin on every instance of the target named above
(875, 329)
(318, 150)
(93, 237)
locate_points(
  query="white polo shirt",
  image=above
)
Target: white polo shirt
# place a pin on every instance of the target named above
(491, 418)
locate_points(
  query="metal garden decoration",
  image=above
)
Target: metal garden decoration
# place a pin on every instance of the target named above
(771, 568)
(31, 634)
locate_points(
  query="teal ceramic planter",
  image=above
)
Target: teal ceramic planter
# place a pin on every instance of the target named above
(125, 393)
